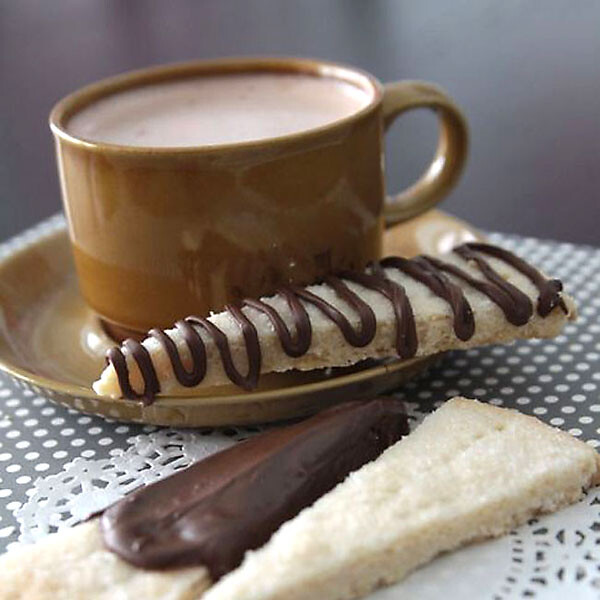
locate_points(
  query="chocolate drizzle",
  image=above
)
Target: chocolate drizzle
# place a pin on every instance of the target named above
(549, 289)
(515, 305)
(368, 324)
(195, 347)
(248, 381)
(292, 347)
(420, 269)
(116, 356)
(432, 272)
(406, 330)
(214, 511)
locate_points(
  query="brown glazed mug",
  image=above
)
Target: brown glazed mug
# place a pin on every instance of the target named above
(160, 233)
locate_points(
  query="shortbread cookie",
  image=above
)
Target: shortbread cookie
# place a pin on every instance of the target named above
(75, 565)
(478, 294)
(170, 540)
(469, 472)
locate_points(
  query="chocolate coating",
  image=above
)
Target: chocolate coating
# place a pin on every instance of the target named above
(430, 271)
(214, 511)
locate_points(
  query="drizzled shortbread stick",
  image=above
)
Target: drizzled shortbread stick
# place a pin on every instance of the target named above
(476, 295)
(469, 472)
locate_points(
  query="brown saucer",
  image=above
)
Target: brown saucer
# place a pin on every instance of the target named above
(52, 343)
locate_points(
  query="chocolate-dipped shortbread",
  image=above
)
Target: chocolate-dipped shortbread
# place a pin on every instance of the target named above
(174, 538)
(477, 294)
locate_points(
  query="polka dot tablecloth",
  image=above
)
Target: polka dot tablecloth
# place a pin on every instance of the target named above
(57, 466)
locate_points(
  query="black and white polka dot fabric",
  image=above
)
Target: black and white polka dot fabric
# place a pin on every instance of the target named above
(57, 465)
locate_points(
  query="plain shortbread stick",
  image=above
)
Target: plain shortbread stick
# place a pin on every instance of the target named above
(471, 471)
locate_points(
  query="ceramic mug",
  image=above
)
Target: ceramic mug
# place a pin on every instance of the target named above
(160, 233)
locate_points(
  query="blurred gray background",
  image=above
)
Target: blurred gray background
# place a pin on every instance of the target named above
(527, 74)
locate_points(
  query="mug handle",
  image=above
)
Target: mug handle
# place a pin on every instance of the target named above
(447, 164)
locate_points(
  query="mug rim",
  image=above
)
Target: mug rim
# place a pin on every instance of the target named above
(86, 95)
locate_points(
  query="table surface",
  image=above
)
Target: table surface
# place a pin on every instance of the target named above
(58, 466)
(527, 75)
